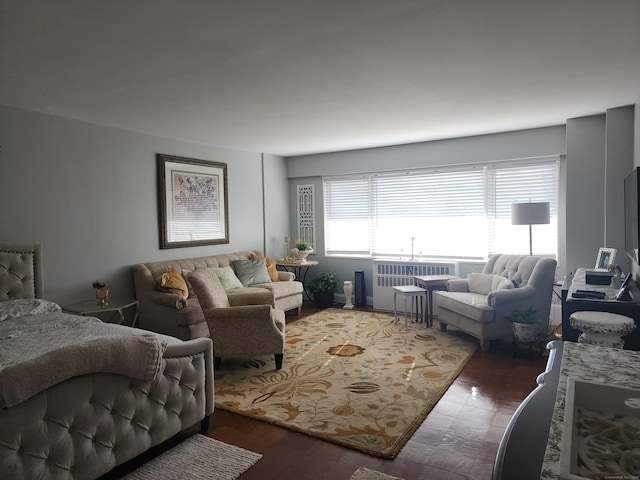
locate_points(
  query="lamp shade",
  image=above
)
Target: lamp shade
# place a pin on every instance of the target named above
(536, 213)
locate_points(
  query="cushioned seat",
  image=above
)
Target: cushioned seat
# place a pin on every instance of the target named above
(480, 304)
(244, 331)
(474, 306)
(172, 314)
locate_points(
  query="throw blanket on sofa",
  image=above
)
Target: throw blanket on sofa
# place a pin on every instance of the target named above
(37, 351)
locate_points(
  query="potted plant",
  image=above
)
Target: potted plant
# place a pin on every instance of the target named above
(323, 288)
(302, 250)
(525, 324)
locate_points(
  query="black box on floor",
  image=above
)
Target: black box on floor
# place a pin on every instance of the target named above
(599, 278)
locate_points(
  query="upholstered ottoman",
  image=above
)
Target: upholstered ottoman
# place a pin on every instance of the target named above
(602, 328)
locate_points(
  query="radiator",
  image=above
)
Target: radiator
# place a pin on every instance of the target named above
(390, 273)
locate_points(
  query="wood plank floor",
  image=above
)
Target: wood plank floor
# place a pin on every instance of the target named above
(458, 440)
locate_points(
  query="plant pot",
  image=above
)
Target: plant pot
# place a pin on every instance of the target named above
(525, 332)
(102, 296)
(323, 299)
(301, 255)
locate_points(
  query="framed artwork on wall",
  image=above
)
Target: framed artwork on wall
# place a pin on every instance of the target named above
(193, 205)
(606, 259)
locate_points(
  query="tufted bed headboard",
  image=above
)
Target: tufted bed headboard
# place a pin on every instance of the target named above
(21, 271)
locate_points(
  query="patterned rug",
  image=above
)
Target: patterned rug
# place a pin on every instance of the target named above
(349, 377)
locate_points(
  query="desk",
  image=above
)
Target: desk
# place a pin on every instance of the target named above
(300, 270)
(431, 283)
(570, 305)
(591, 363)
(530, 447)
(116, 307)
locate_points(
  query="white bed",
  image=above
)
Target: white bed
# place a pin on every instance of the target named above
(79, 396)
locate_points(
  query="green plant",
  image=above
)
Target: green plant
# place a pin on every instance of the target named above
(303, 245)
(324, 283)
(528, 316)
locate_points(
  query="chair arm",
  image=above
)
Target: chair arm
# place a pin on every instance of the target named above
(250, 318)
(165, 298)
(286, 276)
(458, 285)
(521, 298)
(238, 317)
(189, 315)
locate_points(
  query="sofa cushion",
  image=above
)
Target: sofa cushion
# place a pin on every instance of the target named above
(227, 278)
(172, 281)
(282, 289)
(271, 266)
(251, 272)
(471, 305)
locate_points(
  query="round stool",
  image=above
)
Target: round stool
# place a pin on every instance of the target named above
(602, 328)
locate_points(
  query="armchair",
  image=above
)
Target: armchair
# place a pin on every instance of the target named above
(238, 331)
(479, 304)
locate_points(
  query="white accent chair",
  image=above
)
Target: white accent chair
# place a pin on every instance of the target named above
(480, 304)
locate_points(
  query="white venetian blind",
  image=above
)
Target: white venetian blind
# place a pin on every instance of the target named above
(462, 212)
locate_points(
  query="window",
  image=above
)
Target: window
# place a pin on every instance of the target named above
(462, 212)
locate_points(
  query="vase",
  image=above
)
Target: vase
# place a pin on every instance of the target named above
(102, 296)
(301, 255)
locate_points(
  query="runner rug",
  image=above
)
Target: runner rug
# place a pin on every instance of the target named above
(197, 458)
(354, 378)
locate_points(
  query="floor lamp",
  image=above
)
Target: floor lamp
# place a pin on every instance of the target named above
(536, 213)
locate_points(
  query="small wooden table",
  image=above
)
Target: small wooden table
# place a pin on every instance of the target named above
(116, 307)
(431, 283)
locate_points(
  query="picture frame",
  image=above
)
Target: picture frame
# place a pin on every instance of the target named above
(606, 259)
(193, 204)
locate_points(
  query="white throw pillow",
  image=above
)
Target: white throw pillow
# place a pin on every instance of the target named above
(27, 306)
(227, 278)
(484, 283)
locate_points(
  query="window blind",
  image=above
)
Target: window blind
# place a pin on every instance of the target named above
(462, 212)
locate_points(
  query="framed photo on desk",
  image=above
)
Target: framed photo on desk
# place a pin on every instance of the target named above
(606, 259)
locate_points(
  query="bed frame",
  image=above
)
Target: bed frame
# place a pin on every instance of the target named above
(85, 426)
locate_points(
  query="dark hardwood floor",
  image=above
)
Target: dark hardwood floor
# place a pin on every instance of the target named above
(458, 440)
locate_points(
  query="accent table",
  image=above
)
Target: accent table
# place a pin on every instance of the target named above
(116, 306)
(431, 283)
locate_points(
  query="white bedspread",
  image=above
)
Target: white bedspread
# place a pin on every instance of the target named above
(37, 351)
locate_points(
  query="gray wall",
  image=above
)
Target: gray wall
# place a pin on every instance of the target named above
(596, 154)
(88, 194)
(309, 169)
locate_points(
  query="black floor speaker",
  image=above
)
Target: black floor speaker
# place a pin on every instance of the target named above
(361, 292)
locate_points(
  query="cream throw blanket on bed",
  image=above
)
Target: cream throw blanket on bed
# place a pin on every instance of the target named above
(65, 346)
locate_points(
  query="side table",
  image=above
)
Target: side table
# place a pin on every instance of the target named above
(408, 291)
(431, 283)
(116, 307)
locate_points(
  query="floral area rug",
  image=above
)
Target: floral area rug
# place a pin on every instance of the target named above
(354, 378)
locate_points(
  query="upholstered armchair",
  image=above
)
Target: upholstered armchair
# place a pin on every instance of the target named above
(480, 304)
(239, 331)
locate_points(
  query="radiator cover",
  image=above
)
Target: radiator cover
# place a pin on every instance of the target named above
(390, 273)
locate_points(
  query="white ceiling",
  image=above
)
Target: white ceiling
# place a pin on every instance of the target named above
(291, 77)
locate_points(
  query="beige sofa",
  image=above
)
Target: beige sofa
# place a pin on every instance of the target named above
(479, 304)
(170, 314)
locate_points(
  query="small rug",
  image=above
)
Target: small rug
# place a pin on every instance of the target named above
(354, 378)
(197, 458)
(366, 474)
